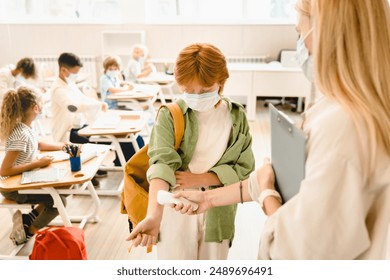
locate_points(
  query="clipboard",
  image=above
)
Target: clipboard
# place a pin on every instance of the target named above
(288, 153)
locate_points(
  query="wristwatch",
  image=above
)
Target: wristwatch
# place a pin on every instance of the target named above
(266, 193)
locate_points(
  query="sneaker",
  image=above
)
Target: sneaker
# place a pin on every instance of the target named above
(95, 182)
(18, 235)
(101, 173)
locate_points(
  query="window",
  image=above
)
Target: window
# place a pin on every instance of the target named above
(220, 11)
(60, 11)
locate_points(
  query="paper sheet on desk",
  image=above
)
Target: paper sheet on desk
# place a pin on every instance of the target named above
(98, 148)
(106, 121)
(57, 155)
(134, 93)
(43, 175)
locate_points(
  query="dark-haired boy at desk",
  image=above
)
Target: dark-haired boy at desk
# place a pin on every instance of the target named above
(19, 109)
(65, 93)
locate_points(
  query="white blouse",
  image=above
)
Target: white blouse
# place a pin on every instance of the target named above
(342, 211)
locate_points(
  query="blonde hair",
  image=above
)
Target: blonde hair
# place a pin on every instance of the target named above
(304, 7)
(13, 110)
(201, 62)
(141, 47)
(352, 62)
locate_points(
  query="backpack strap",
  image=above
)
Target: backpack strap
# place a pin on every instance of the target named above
(178, 122)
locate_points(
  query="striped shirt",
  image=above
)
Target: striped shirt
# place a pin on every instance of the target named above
(23, 140)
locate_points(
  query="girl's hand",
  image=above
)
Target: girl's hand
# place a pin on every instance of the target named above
(128, 86)
(104, 106)
(45, 161)
(198, 197)
(185, 180)
(146, 232)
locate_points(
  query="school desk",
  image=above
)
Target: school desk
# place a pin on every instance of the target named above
(116, 126)
(141, 93)
(161, 79)
(71, 183)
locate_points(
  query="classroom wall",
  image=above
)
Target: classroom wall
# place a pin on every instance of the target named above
(164, 41)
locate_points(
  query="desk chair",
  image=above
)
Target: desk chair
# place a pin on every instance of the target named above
(169, 89)
(286, 104)
(287, 58)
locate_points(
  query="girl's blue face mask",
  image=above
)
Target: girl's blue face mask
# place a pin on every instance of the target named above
(112, 73)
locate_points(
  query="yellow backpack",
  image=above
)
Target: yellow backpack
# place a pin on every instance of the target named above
(134, 196)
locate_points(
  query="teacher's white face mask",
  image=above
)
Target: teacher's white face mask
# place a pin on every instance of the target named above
(303, 57)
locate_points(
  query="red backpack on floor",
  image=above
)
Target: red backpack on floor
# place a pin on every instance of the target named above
(59, 243)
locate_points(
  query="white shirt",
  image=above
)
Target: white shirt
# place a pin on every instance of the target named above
(7, 81)
(341, 211)
(134, 68)
(214, 128)
(63, 95)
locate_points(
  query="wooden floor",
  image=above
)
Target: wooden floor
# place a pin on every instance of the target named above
(105, 240)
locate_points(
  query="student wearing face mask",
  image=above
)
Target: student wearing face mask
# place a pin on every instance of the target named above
(138, 66)
(215, 151)
(65, 93)
(11, 77)
(110, 81)
(342, 210)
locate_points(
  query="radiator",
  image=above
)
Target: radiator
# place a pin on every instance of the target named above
(48, 67)
(248, 59)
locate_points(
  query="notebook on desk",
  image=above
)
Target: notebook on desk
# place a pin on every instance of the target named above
(133, 93)
(288, 153)
(106, 122)
(57, 155)
(43, 175)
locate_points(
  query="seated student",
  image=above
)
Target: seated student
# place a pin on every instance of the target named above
(138, 67)
(19, 109)
(110, 82)
(65, 93)
(12, 77)
(65, 124)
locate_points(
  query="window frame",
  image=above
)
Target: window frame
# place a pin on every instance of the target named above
(243, 21)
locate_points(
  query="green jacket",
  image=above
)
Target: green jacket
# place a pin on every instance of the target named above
(236, 163)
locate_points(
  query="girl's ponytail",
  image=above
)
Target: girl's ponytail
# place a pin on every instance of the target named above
(15, 104)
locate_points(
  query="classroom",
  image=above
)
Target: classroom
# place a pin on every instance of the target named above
(195, 129)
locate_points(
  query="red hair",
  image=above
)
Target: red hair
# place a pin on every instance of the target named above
(203, 63)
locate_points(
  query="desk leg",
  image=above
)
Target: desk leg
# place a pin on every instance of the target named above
(251, 103)
(116, 143)
(133, 140)
(59, 205)
(300, 104)
(118, 149)
(96, 202)
(151, 107)
(161, 96)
